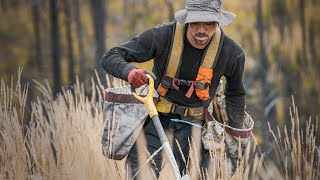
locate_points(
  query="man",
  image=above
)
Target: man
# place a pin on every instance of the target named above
(190, 56)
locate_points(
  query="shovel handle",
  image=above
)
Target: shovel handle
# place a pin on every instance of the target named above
(148, 100)
(153, 113)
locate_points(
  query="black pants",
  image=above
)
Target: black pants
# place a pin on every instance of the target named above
(181, 132)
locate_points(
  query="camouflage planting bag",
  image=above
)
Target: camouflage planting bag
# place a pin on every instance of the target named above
(216, 131)
(217, 136)
(123, 117)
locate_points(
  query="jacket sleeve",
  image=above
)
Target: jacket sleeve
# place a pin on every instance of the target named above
(141, 48)
(235, 92)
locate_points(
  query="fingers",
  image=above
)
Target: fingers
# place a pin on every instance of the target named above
(144, 79)
(137, 77)
(137, 82)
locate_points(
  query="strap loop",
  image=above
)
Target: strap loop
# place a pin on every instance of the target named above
(174, 85)
(190, 91)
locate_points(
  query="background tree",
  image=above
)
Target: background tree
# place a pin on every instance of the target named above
(80, 37)
(303, 31)
(68, 23)
(4, 5)
(55, 45)
(263, 59)
(170, 10)
(99, 19)
(37, 33)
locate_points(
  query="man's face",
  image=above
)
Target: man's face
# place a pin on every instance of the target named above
(200, 33)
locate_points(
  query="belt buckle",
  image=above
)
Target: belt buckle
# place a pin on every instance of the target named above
(182, 111)
(201, 85)
(183, 82)
(196, 111)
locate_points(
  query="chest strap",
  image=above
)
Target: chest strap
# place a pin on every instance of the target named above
(205, 73)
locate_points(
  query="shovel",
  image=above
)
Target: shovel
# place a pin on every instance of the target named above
(153, 113)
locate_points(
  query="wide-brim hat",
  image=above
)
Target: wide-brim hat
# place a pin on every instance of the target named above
(204, 11)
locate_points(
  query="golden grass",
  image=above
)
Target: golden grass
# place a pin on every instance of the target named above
(61, 140)
(297, 151)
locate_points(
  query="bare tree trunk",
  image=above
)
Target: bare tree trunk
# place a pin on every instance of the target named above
(55, 43)
(37, 33)
(125, 8)
(68, 23)
(267, 96)
(266, 99)
(80, 34)
(280, 16)
(132, 17)
(303, 31)
(99, 20)
(312, 37)
(263, 55)
(146, 4)
(302, 55)
(4, 5)
(170, 9)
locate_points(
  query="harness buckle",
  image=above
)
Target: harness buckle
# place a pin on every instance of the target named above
(182, 82)
(166, 82)
(176, 109)
(201, 85)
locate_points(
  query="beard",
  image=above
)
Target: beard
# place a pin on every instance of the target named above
(201, 38)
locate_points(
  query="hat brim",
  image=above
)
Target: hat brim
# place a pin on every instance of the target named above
(224, 18)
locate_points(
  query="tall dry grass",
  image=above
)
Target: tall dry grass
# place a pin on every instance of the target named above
(62, 134)
(296, 148)
(61, 139)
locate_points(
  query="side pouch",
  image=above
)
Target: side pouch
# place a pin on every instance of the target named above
(122, 125)
(123, 117)
(204, 77)
(237, 140)
(212, 136)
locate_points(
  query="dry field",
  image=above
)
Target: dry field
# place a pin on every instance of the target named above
(60, 138)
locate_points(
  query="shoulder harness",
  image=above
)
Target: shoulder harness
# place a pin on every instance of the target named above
(205, 73)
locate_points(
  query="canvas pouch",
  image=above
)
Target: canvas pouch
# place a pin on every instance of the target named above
(123, 117)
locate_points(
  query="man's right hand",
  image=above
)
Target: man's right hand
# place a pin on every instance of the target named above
(137, 78)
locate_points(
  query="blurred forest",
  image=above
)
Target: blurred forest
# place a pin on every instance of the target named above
(60, 40)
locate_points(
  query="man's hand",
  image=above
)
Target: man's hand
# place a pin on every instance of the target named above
(137, 78)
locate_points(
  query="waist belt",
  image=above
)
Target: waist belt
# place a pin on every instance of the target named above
(165, 106)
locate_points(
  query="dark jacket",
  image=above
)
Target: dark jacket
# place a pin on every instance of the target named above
(155, 43)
